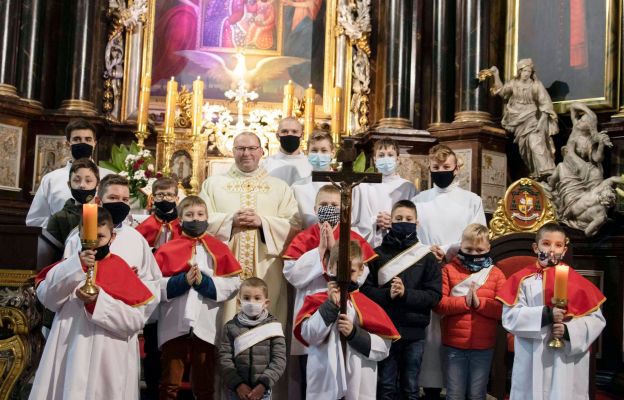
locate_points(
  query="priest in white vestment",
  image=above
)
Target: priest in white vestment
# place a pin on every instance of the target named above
(289, 164)
(54, 190)
(256, 215)
(443, 212)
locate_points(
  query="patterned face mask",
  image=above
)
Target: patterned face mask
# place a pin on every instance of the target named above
(329, 214)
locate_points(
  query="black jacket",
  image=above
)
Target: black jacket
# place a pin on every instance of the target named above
(423, 290)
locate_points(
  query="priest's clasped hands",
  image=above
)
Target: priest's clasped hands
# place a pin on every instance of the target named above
(472, 300)
(247, 218)
(345, 325)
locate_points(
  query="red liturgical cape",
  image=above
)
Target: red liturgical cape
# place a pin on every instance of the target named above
(116, 278)
(175, 256)
(372, 318)
(583, 296)
(152, 228)
(311, 238)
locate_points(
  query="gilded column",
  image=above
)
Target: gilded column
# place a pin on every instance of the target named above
(80, 95)
(396, 33)
(30, 51)
(443, 62)
(9, 33)
(471, 57)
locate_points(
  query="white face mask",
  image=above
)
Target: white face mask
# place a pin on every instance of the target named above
(251, 309)
(386, 165)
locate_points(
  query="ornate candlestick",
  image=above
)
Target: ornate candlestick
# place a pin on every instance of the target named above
(89, 241)
(560, 297)
(142, 133)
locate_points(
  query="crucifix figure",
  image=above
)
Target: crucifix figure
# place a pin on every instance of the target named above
(345, 179)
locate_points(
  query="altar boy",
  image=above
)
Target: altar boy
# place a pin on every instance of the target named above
(366, 327)
(199, 274)
(92, 351)
(163, 225)
(541, 372)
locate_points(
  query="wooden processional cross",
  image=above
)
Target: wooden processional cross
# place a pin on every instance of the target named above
(345, 179)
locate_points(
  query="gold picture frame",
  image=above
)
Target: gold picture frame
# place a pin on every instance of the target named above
(609, 98)
(322, 111)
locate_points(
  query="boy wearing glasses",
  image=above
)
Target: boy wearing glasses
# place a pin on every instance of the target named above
(163, 225)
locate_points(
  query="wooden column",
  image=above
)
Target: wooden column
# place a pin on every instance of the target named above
(30, 51)
(443, 63)
(9, 33)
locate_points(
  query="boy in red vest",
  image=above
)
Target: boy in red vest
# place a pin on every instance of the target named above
(366, 327)
(542, 372)
(92, 351)
(163, 225)
(304, 267)
(199, 274)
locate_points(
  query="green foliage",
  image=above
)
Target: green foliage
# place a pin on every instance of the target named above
(359, 165)
(117, 162)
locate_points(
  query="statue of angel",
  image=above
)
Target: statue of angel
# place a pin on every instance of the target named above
(529, 115)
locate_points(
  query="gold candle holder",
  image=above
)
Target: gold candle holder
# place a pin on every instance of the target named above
(89, 287)
(557, 343)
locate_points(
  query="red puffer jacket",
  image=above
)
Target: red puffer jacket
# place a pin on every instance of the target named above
(463, 327)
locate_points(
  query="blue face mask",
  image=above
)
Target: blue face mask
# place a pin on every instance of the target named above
(386, 165)
(319, 161)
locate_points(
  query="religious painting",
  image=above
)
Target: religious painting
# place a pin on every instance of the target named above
(415, 168)
(493, 179)
(10, 147)
(52, 153)
(574, 46)
(464, 160)
(181, 167)
(265, 42)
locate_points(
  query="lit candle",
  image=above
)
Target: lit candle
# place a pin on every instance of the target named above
(170, 105)
(308, 123)
(289, 94)
(561, 282)
(89, 222)
(144, 98)
(198, 102)
(336, 120)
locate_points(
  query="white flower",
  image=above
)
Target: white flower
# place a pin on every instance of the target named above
(123, 173)
(140, 174)
(150, 167)
(129, 159)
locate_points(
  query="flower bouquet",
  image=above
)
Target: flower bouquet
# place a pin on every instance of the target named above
(137, 166)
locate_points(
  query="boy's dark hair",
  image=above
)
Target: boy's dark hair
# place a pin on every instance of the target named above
(255, 283)
(191, 201)
(549, 228)
(165, 183)
(386, 143)
(79, 123)
(404, 204)
(84, 163)
(104, 218)
(109, 180)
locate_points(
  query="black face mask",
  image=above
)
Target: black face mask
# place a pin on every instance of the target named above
(194, 228)
(475, 262)
(82, 196)
(102, 251)
(402, 234)
(81, 150)
(290, 143)
(165, 207)
(442, 178)
(118, 210)
(353, 286)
